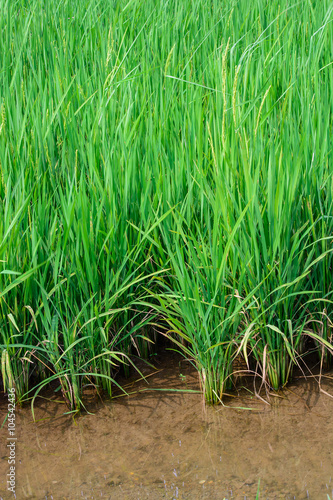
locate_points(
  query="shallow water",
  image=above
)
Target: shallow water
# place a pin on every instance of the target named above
(155, 445)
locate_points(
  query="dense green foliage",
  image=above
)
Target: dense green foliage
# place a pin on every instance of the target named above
(165, 166)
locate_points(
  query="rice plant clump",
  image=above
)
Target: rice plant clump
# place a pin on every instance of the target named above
(163, 167)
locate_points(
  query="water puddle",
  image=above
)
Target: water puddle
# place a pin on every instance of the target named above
(156, 445)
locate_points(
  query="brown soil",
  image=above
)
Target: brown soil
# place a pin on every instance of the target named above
(155, 445)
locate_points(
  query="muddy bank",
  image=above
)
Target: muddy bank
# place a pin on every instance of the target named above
(154, 445)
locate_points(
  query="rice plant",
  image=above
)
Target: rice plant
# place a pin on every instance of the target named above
(163, 164)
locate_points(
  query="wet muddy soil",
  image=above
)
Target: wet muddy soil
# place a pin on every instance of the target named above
(167, 445)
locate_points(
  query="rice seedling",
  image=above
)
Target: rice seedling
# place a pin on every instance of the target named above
(200, 302)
